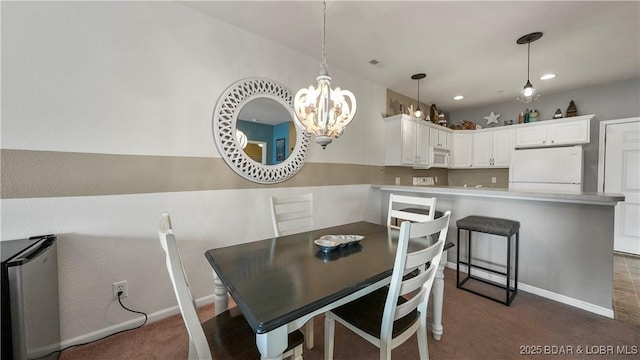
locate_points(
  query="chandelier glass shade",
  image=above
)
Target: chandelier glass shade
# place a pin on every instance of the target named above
(528, 92)
(320, 110)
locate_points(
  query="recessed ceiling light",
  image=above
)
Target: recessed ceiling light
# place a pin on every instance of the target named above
(547, 76)
(458, 97)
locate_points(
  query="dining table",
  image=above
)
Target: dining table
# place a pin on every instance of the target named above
(280, 283)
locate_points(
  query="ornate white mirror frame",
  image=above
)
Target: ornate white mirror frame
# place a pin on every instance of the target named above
(224, 121)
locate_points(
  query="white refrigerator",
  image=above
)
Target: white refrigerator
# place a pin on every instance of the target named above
(557, 169)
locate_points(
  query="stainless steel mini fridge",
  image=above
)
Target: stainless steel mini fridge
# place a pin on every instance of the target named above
(30, 311)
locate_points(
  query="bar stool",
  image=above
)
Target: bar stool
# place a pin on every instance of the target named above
(438, 214)
(494, 226)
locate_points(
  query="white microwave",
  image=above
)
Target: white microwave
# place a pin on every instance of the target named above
(438, 157)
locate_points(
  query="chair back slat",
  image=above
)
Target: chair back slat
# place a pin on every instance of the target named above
(418, 258)
(399, 203)
(415, 282)
(292, 214)
(407, 307)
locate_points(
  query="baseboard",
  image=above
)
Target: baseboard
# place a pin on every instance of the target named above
(165, 313)
(129, 324)
(580, 304)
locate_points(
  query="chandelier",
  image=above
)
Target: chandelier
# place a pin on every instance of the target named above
(323, 111)
(242, 138)
(528, 93)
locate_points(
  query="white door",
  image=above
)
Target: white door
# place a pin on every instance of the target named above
(622, 175)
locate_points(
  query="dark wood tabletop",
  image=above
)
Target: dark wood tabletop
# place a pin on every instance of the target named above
(278, 280)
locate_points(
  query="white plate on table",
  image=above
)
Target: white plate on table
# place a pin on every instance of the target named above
(331, 242)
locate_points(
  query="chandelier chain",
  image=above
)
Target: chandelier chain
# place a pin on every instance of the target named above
(323, 63)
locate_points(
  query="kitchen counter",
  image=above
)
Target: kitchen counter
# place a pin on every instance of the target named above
(577, 198)
(566, 239)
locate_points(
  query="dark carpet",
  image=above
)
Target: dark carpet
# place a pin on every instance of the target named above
(474, 328)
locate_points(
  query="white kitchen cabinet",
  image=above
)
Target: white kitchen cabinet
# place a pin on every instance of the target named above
(462, 149)
(492, 148)
(572, 132)
(407, 141)
(438, 138)
(568, 131)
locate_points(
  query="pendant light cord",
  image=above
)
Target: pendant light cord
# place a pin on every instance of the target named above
(418, 102)
(528, 58)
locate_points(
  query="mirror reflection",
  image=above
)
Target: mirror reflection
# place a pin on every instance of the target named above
(268, 129)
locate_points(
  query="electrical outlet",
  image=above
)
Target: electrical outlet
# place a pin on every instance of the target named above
(493, 179)
(424, 181)
(120, 286)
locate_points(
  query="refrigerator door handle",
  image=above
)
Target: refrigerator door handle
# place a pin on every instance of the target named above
(32, 252)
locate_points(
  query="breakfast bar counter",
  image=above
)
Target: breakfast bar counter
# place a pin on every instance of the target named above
(576, 198)
(566, 239)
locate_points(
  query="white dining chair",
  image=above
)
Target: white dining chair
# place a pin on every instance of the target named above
(390, 315)
(225, 336)
(290, 215)
(411, 208)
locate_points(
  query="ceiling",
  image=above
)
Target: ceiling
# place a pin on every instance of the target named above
(465, 47)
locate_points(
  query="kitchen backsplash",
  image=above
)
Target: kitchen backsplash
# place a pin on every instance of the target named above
(484, 177)
(449, 177)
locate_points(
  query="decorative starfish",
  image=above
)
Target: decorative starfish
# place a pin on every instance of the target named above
(492, 118)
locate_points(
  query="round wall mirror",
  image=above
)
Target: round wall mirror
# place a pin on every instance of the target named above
(254, 131)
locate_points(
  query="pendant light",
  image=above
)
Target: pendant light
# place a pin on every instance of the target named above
(323, 111)
(528, 93)
(418, 113)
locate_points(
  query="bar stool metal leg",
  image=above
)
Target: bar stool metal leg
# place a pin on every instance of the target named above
(508, 287)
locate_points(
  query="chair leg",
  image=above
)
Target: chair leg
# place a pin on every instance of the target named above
(193, 354)
(329, 333)
(308, 335)
(385, 351)
(297, 353)
(421, 333)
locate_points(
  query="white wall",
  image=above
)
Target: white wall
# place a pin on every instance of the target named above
(143, 78)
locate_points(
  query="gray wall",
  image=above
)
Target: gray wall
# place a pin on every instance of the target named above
(609, 101)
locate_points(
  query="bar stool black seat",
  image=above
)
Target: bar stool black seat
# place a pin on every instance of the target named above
(438, 214)
(494, 226)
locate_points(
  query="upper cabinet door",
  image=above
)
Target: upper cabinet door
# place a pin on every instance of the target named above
(531, 136)
(574, 132)
(422, 144)
(503, 145)
(462, 149)
(438, 138)
(482, 149)
(568, 131)
(492, 148)
(409, 142)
